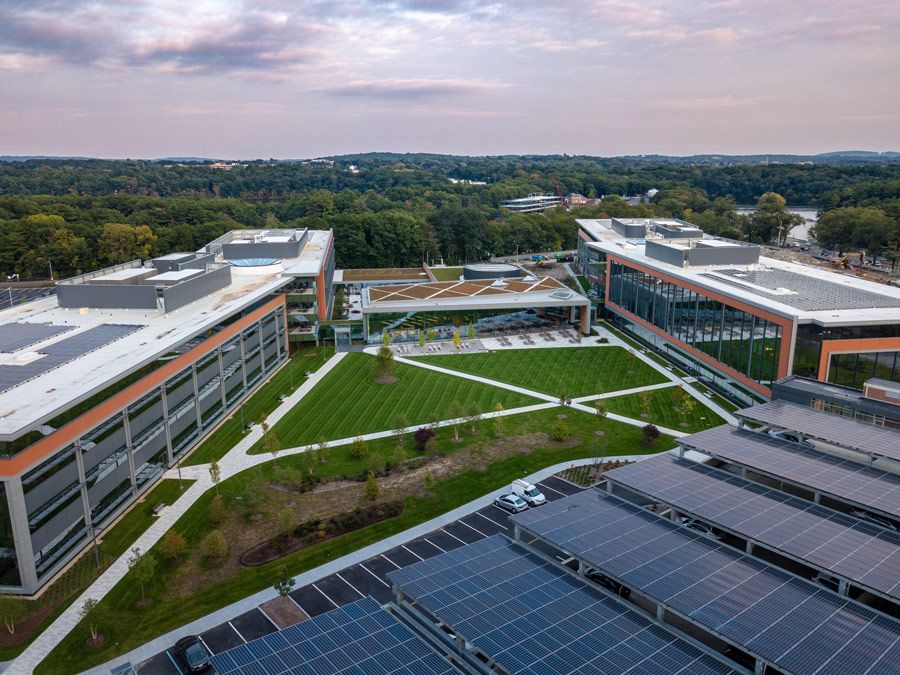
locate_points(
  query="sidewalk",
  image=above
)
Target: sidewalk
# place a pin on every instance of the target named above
(212, 620)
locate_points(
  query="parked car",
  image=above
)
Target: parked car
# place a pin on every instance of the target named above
(192, 653)
(702, 528)
(528, 493)
(792, 437)
(606, 582)
(511, 503)
(872, 518)
(828, 582)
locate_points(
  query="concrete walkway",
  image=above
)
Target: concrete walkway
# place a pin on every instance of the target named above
(233, 610)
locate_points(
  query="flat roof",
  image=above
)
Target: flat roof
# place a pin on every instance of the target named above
(836, 429)
(312, 255)
(864, 554)
(471, 294)
(842, 479)
(175, 256)
(809, 294)
(531, 616)
(788, 622)
(174, 275)
(124, 275)
(383, 274)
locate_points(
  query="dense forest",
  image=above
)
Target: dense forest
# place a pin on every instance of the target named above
(395, 210)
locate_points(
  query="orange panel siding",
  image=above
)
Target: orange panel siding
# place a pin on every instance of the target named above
(84, 423)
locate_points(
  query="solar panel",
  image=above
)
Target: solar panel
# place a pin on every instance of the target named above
(16, 336)
(862, 553)
(826, 427)
(62, 352)
(839, 478)
(357, 638)
(531, 616)
(788, 622)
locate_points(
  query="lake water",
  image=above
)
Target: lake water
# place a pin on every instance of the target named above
(799, 233)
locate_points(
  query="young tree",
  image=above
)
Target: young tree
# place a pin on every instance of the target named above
(646, 399)
(359, 448)
(421, 339)
(214, 546)
(688, 405)
(215, 474)
(651, 434)
(431, 335)
(11, 610)
(270, 442)
(384, 364)
(143, 566)
(433, 420)
(399, 459)
(471, 331)
(429, 482)
(172, 546)
(372, 487)
(216, 511)
(400, 426)
(424, 438)
(498, 420)
(457, 340)
(322, 451)
(284, 582)
(385, 338)
(473, 417)
(90, 614)
(287, 523)
(559, 431)
(477, 453)
(564, 398)
(600, 408)
(456, 413)
(376, 463)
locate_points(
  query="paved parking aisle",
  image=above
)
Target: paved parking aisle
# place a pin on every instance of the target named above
(338, 590)
(368, 582)
(422, 548)
(460, 531)
(312, 601)
(443, 541)
(161, 664)
(253, 624)
(558, 488)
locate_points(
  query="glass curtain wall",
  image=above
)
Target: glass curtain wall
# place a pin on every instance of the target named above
(747, 343)
(850, 370)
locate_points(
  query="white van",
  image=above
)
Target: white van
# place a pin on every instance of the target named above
(528, 493)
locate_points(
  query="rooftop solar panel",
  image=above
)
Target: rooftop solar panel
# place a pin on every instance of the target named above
(357, 638)
(61, 352)
(790, 623)
(870, 488)
(532, 617)
(16, 336)
(862, 553)
(824, 426)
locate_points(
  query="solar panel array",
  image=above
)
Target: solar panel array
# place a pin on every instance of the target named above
(865, 554)
(63, 351)
(788, 622)
(809, 292)
(827, 427)
(10, 297)
(360, 638)
(16, 336)
(531, 617)
(839, 478)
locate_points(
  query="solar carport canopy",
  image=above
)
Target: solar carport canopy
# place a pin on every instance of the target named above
(357, 638)
(787, 622)
(864, 554)
(839, 478)
(842, 431)
(532, 617)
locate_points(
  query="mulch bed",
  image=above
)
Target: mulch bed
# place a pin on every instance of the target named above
(588, 474)
(284, 612)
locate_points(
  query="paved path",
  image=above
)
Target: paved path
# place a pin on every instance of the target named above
(237, 459)
(235, 609)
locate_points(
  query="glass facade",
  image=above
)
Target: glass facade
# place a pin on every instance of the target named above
(407, 326)
(745, 342)
(850, 370)
(9, 564)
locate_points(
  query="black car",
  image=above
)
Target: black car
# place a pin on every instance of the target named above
(192, 652)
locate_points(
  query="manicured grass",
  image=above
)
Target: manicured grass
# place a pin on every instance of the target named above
(653, 356)
(581, 371)
(113, 543)
(446, 273)
(264, 401)
(720, 400)
(126, 626)
(663, 411)
(347, 402)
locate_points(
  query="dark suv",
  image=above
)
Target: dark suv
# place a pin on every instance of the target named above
(192, 653)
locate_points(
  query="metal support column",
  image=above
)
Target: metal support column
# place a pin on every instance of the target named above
(748, 549)
(196, 397)
(221, 378)
(164, 397)
(243, 361)
(660, 613)
(86, 502)
(517, 533)
(18, 516)
(262, 348)
(843, 587)
(129, 449)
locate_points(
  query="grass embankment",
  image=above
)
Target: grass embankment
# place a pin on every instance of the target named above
(126, 626)
(263, 402)
(663, 410)
(347, 402)
(581, 371)
(38, 614)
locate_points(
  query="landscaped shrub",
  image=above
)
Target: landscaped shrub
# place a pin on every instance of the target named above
(214, 546)
(424, 439)
(559, 431)
(651, 435)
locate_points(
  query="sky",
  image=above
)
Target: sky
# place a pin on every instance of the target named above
(291, 79)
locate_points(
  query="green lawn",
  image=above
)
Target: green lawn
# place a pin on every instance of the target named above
(446, 273)
(113, 543)
(264, 401)
(347, 402)
(126, 626)
(661, 411)
(581, 371)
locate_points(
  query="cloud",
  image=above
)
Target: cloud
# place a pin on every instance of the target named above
(422, 89)
(709, 103)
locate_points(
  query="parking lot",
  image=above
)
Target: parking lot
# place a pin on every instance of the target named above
(352, 583)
